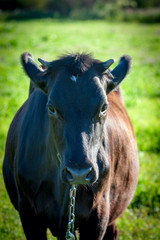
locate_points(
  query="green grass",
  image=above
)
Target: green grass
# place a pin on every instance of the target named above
(50, 38)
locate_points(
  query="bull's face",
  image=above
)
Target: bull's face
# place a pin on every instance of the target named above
(77, 88)
(79, 108)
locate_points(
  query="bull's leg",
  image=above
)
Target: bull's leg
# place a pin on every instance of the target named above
(33, 227)
(111, 232)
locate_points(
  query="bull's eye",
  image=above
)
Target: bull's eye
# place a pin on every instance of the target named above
(54, 113)
(103, 110)
(105, 107)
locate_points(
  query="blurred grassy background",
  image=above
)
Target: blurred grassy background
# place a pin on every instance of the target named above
(48, 38)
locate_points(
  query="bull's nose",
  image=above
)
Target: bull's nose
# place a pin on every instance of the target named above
(79, 176)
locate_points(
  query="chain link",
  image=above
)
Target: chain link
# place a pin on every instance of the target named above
(71, 219)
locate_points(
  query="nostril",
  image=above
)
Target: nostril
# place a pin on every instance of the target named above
(69, 175)
(89, 174)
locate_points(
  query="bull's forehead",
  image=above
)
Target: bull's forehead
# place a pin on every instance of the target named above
(85, 92)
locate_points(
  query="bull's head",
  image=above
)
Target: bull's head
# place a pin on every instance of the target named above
(77, 88)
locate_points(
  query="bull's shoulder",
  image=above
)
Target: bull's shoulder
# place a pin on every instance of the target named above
(22, 118)
(33, 122)
(28, 140)
(123, 156)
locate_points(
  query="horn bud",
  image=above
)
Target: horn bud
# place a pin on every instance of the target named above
(108, 63)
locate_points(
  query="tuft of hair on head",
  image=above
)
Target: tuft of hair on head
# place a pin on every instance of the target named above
(77, 63)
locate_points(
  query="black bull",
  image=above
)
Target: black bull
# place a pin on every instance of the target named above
(75, 109)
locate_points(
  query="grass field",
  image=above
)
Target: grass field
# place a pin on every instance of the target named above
(50, 38)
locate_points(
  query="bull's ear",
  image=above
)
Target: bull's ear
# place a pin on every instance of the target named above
(119, 72)
(36, 74)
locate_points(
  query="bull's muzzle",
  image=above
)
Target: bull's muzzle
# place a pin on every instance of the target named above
(79, 176)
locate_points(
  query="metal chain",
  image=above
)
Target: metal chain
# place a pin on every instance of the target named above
(71, 219)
